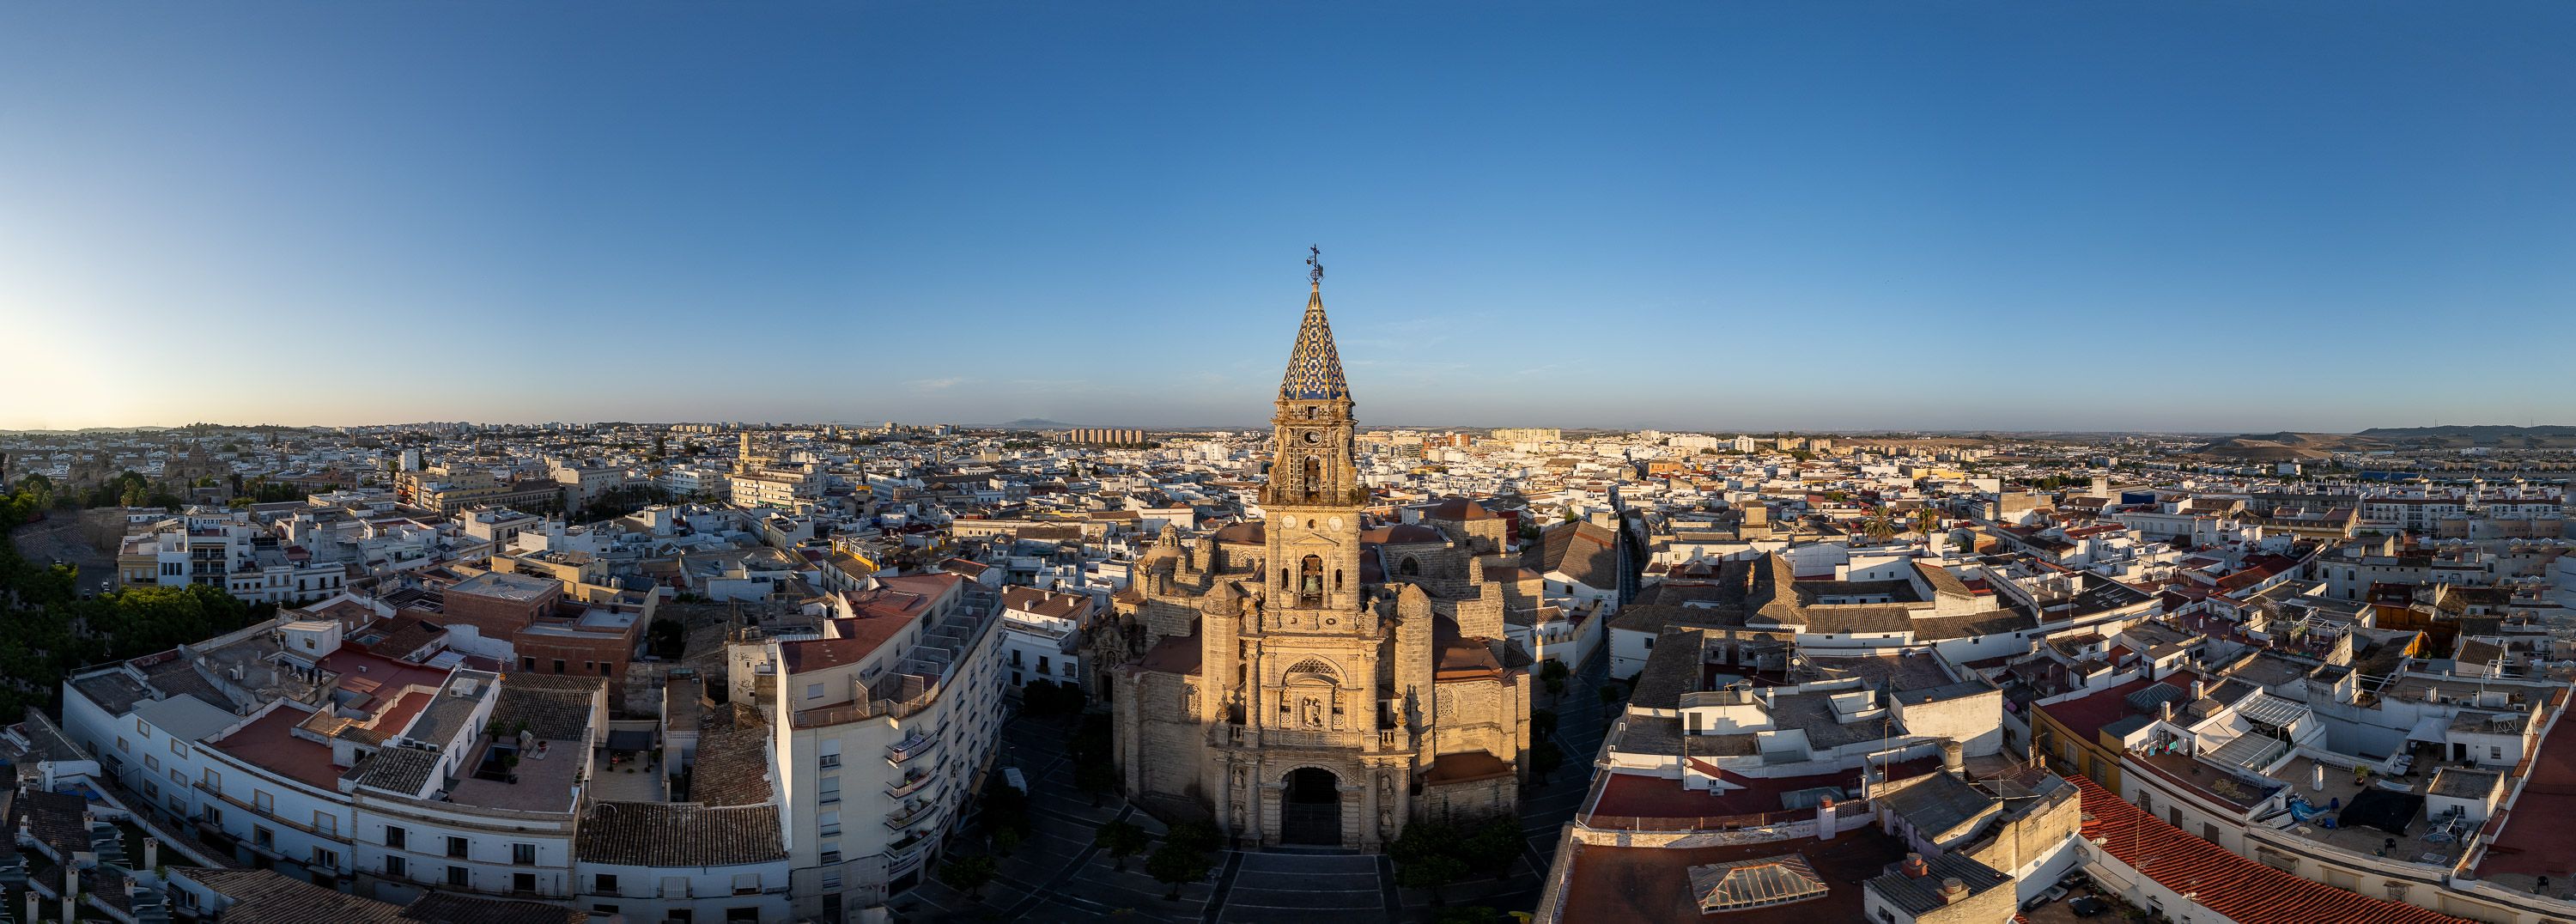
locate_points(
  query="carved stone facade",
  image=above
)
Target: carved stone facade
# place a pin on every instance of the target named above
(1313, 677)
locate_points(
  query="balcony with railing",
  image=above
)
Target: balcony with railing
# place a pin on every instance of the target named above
(912, 746)
(911, 812)
(908, 848)
(912, 782)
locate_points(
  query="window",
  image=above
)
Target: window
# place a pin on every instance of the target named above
(831, 753)
(813, 691)
(459, 877)
(831, 880)
(831, 851)
(603, 884)
(831, 790)
(2209, 832)
(830, 824)
(675, 887)
(325, 859)
(151, 762)
(746, 884)
(178, 748)
(213, 781)
(2495, 752)
(1042, 665)
(393, 867)
(326, 824)
(177, 778)
(261, 800)
(263, 837)
(558, 665)
(395, 837)
(523, 854)
(456, 847)
(523, 882)
(215, 815)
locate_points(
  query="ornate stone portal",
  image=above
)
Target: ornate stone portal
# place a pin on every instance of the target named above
(1280, 678)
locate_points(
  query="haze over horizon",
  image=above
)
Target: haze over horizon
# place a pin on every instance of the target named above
(1737, 219)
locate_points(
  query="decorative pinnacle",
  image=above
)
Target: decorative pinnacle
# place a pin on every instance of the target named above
(1315, 265)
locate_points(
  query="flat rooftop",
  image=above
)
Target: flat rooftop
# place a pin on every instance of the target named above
(270, 744)
(536, 784)
(2349, 834)
(516, 587)
(1653, 883)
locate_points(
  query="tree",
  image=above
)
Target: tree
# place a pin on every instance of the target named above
(1471, 914)
(1200, 835)
(1545, 757)
(1095, 778)
(1175, 864)
(1006, 809)
(1554, 673)
(1120, 840)
(1542, 722)
(1926, 519)
(1430, 872)
(969, 874)
(1881, 525)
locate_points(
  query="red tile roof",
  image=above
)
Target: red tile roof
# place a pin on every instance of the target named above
(2534, 838)
(2242, 890)
(2085, 715)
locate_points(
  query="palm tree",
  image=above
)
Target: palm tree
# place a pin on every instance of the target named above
(1881, 525)
(1926, 520)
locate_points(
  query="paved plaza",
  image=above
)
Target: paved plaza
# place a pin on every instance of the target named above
(1057, 875)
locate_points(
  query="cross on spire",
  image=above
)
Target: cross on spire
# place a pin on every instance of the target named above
(1315, 265)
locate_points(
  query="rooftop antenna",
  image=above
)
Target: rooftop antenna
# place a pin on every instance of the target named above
(1315, 265)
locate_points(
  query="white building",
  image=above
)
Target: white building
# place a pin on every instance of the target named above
(884, 727)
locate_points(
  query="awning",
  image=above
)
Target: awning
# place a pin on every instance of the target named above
(2433, 729)
(630, 741)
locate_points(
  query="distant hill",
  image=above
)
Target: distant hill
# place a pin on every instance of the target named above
(2505, 437)
(1036, 423)
(2289, 446)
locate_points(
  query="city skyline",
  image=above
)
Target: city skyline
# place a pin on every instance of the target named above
(2042, 219)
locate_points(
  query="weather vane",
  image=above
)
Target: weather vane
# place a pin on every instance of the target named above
(1315, 264)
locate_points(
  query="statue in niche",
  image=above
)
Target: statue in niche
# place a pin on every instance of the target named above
(1190, 700)
(1311, 712)
(1239, 794)
(1386, 806)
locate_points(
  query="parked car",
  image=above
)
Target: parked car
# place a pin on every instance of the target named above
(2086, 906)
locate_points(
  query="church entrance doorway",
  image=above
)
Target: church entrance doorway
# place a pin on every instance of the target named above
(1312, 811)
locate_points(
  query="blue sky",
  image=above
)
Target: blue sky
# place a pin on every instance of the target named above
(1732, 216)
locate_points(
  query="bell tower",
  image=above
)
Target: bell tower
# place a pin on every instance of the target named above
(1313, 497)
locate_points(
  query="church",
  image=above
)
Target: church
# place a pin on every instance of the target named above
(1317, 676)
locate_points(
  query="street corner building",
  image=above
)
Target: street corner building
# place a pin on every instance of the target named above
(1317, 676)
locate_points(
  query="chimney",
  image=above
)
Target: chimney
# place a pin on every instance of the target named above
(2168, 707)
(2199, 690)
(35, 908)
(1952, 890)
(1825, 819)
(151, 853)
(1954, 758)
(1915, 868)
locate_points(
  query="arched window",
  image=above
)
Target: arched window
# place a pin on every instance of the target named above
(1310, 581)
(1408, 567)
(1317, 668)
(1337, 579)
(1314, 477)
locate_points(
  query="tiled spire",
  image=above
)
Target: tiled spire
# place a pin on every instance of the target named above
(1314, 367)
